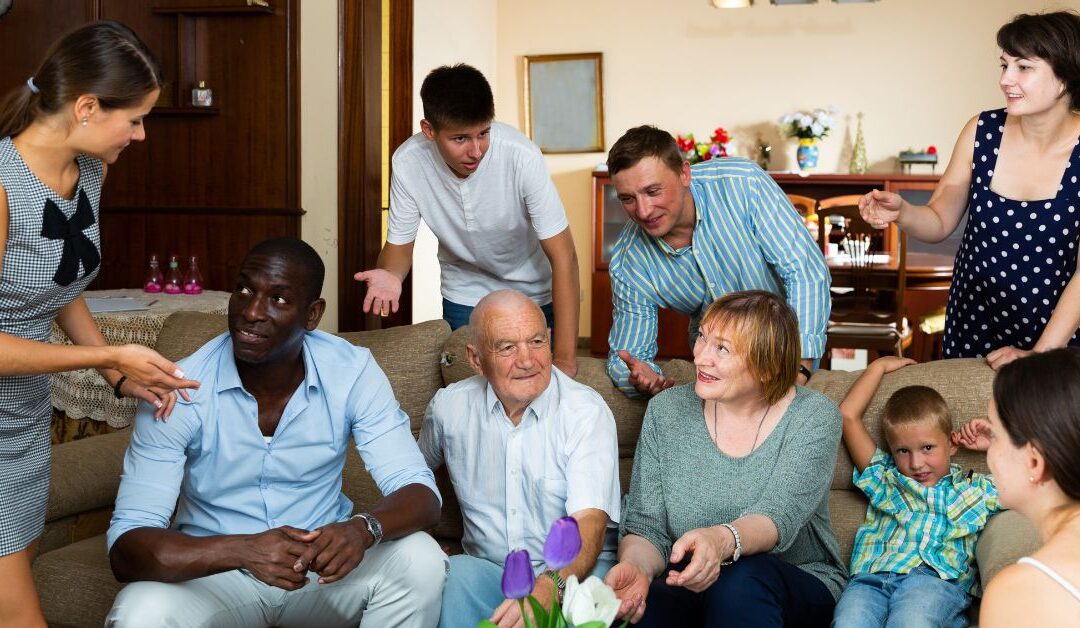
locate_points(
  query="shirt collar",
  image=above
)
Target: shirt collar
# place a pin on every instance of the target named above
(229, 378)
(540, 407)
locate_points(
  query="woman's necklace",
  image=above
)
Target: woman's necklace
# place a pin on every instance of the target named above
(757, 434)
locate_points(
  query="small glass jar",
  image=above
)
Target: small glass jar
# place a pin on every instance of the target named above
(154, 278)
(193, 279)
(173, 280)
(202, 96)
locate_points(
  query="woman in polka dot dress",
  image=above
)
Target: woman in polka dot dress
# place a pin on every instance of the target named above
(57, 133)
(1016, 171)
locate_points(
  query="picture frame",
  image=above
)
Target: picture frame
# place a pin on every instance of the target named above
(564, 102)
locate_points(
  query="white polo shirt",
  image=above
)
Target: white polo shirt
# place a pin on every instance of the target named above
(489, 224)
(513, 481)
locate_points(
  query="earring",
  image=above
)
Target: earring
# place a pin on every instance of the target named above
(1031, 478)
(85, 121)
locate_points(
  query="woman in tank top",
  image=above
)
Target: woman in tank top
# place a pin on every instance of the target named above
(58, 131)
(1016, 172)
(1034, 454)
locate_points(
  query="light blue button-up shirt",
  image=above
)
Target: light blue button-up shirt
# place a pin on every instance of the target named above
(513, 481)
(231, 480)
(747, 237)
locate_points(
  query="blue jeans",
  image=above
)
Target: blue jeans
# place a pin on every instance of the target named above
(458, 315)
(917, 598)
(757, 591)
(474, 589)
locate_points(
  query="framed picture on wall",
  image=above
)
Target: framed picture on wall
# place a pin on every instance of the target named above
(564, 104)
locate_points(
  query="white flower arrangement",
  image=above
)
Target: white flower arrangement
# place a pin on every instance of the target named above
(805, 126)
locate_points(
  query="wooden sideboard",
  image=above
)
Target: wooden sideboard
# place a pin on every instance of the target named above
(672, 337)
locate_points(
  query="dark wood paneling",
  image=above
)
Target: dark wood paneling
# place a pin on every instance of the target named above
(359, 154)
(242, 157)
(401, 115)
(219, 238)
(28, 30)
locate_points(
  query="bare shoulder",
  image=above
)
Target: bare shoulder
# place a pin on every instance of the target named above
(1021, 594)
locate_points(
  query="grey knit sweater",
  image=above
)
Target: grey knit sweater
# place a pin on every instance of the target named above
(681, 481)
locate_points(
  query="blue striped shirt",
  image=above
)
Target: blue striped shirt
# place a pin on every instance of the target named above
(747, 237)
(908, 524)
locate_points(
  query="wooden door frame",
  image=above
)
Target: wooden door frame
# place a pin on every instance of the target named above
(359, 145)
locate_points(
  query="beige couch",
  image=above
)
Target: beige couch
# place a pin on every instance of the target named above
(72, 570)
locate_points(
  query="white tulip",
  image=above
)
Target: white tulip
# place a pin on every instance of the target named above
(588, 601)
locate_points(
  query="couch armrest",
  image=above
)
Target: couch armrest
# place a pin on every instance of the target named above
(86, 474)
(1006, 537)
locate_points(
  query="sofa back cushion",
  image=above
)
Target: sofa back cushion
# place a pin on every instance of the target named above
(965, 385)
(184, 332)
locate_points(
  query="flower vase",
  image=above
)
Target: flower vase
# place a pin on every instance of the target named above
(807, 155)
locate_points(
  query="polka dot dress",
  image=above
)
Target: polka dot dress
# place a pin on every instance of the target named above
(1015, 258)
(29, 301)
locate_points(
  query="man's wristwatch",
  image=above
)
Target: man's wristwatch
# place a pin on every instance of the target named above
(373, 526)
(805, 372)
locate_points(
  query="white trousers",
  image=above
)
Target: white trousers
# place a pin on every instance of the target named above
(399, 583)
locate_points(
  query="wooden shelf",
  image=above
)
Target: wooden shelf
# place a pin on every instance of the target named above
(184, 111)
(212, 10)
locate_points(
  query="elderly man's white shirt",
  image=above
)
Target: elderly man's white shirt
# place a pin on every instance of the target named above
(513, 481)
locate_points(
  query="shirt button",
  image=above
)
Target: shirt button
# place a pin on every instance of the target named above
(513, 511)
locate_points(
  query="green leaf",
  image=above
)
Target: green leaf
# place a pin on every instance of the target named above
(539, 614)
(486, 623)
(592, 624)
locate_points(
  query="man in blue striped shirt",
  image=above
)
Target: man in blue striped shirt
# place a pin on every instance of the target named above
(697, 233)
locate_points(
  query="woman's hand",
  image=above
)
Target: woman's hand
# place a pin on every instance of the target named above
(709, 547)
(1003, 355)
(145, 367)
(974, 436)
(631, 586)
(163, 400)
(879, 208)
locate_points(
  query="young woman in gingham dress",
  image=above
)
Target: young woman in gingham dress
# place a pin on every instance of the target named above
(1015, 171)
(76, 114)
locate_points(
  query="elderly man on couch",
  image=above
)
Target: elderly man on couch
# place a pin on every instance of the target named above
(524, 445)
(263, 534)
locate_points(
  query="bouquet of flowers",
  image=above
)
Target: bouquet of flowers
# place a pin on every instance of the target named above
(808, 126)
(694, 151)
(589, 604)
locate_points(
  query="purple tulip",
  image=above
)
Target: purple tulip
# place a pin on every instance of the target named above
(518, 576)
(563, 543)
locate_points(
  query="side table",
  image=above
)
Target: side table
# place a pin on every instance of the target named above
(84, 393)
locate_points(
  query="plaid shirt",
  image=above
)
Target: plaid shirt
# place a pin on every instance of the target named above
(908, 524)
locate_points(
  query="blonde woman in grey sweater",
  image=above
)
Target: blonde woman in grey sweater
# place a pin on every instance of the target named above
(727, 519)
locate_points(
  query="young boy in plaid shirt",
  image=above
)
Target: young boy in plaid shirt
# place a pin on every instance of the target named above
(912, 563)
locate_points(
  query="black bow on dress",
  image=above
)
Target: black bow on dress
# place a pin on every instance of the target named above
(77, 247)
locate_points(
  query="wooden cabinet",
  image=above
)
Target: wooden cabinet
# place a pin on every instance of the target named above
(672, 338)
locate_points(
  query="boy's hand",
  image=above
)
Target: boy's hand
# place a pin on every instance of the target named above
(974, 436)
(890, 363)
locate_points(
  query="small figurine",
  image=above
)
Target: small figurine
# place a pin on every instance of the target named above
(764, 153)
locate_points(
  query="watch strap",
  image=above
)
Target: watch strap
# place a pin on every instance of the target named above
(373, 526)
(805, 372)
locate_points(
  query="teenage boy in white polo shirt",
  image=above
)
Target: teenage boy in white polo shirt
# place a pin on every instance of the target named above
(484, 190)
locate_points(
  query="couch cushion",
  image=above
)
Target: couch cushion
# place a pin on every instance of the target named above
(184, 332)
(409, 355)
(76, 584)
(964, 383)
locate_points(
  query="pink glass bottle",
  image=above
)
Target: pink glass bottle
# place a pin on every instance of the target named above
(173, 281)
(153, 276)
(193, 279)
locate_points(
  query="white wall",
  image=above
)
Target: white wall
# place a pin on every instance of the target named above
(917, 69)
(318, 142)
